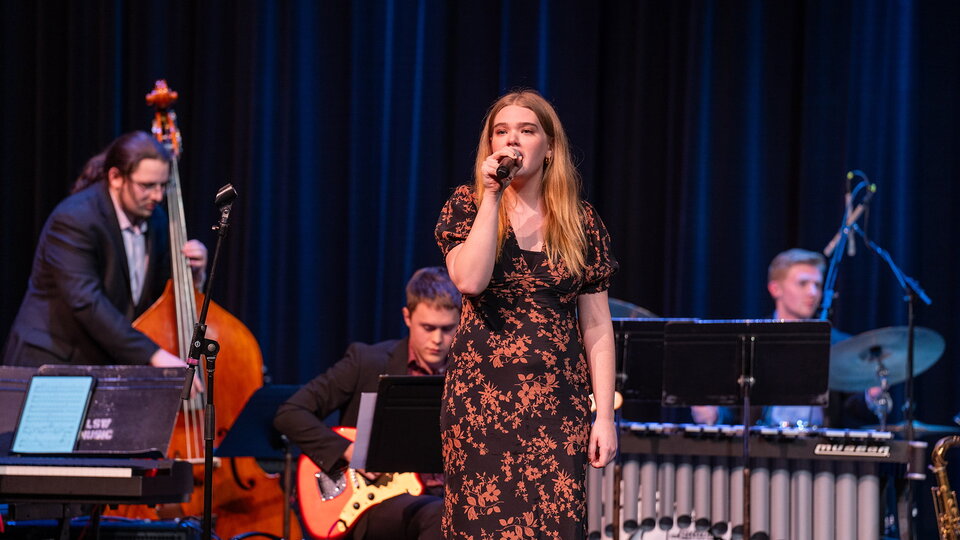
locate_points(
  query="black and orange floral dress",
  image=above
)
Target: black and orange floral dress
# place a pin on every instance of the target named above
(515, 418)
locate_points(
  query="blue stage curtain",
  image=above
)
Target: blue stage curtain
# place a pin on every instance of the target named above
(711, 135)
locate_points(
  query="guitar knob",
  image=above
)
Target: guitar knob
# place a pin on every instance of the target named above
(356, 506)
(370, 496)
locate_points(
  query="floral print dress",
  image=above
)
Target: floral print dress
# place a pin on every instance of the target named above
(515, 418)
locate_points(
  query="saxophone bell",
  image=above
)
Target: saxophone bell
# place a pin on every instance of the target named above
(944, 498)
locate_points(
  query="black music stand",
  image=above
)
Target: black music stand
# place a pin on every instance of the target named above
(252, 435)
(726, 362)
(132, 412)
(404, 431)
(746, 362)
(639, 348)
(14, 381)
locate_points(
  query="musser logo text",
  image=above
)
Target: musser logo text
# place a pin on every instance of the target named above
(852, 450)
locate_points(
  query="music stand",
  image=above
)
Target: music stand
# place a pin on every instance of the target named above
(724, 355)
(751, 362)
(407, 409)
(639, 348)
(14, 381)
(132, 412)
(253, 435)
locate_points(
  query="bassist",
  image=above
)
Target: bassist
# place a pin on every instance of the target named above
(101, 260)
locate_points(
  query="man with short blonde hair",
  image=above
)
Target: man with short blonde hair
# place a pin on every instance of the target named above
(783, 261)
(795, 282)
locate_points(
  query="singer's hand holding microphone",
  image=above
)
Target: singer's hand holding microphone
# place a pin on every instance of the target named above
(500, 167)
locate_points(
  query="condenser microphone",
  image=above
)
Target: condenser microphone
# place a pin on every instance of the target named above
(848, 205)
(853, 216)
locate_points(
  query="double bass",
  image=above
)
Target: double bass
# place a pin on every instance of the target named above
(245, 497)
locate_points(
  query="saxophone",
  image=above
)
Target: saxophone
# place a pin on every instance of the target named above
(944, 499)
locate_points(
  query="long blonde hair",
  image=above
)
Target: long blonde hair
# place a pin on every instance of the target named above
(563, 234)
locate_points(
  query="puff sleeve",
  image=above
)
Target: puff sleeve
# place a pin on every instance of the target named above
(601, 264)
(456, 219)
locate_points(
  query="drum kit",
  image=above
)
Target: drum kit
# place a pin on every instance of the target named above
(878, 359)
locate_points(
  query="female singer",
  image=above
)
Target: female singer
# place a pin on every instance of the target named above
(533, 262)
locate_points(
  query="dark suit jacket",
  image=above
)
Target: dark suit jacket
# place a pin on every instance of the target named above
(78, 308)
(338, 389)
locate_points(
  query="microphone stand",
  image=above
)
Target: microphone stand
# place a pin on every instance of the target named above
(209, 348)
(826, 305)
(912, 290)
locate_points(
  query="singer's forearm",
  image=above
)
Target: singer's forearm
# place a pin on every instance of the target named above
(598, 343)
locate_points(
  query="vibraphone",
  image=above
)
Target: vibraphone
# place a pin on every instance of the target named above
(686, 481)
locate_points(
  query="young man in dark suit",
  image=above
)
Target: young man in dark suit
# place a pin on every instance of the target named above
(432, 314)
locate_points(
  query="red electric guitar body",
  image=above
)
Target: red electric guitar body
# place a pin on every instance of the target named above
(331, 504)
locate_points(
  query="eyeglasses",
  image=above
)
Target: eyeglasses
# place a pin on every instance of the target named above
(148, 187)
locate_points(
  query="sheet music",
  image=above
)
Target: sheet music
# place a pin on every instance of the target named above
(52, 413)
(368, 402)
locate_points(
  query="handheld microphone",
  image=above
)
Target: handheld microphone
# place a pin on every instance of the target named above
(507, 164)
(225, 195)
(188, 381)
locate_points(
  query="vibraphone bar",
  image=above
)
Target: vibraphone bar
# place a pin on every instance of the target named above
(686, 481)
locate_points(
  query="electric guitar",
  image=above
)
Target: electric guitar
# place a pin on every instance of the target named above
(331, 504)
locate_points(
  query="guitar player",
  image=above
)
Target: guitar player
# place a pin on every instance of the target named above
(431, 314)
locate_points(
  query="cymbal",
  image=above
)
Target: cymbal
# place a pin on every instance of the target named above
(920, 428)
(853, 361)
